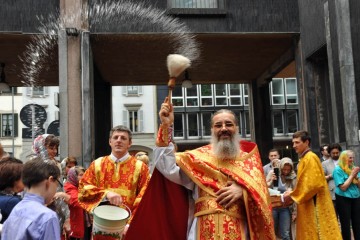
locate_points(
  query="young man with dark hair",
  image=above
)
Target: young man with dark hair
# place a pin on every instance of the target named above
(273, 156)
(315, 211)
(36, 221)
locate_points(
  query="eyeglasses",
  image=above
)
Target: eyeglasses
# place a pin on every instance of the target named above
(60, 183)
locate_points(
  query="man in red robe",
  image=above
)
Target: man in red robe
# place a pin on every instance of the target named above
(228, 196)
(118, 178)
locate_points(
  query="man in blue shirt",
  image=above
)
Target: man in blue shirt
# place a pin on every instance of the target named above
(31, 219)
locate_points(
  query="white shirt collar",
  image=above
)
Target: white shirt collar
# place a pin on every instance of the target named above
(123, 158)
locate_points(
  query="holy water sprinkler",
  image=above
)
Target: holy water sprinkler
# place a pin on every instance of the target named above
(176, 64)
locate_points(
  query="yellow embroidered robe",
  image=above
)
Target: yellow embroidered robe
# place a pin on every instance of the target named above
(316, 218)
(211, 174)
(128, 178)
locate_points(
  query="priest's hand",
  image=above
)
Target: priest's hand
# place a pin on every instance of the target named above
(166, 113)
(114, 198)
(287, 199)
(230, 194)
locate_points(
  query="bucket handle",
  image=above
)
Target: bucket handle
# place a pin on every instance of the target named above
(126, 208)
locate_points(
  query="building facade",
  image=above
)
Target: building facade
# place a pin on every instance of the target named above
(100, 44)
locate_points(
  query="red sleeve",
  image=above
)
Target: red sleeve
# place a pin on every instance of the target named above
(162, 212)
(73, 192)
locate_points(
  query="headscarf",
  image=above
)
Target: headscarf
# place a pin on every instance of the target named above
(73, 173)
(344, 164)
(38, 146)
(287, 160)
(72, 177)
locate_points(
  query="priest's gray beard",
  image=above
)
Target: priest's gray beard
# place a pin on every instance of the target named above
(226, 148)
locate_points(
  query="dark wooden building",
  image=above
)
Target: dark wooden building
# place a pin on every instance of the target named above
(99, 44)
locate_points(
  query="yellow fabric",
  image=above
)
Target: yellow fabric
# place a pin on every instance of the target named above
(314, 221)
(211, 174)
(128, 178)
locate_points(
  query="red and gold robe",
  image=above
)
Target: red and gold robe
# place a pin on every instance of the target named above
(128, 178)
(166, 203)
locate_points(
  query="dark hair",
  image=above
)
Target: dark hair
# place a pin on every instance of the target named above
(334, 146)
(225, 111)
(121, 128)
(37, 170)
(303, 135)
(274, 150)
(10, 172)
(71, 160)
(322, 147)
(51, 141)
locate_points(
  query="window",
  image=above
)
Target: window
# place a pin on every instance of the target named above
(285, 105)
(8, 126)
(246, 120)
(132, 90)
(177, 97)
(206, 95)
(133, 119)
(220, 95)
(235, 94)
(206, 124)
(246, 94)
(291, 91)
(178, 125)
(278, 122)
(194, 3)
(37, 91)
(292, 121)
(277, 91)
(192, 96)
(193, 125)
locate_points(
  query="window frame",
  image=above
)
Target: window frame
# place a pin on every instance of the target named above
(14, 125)
(128, 93)
(197, 124)
(234, 96)
(281, 95)
(187, 97)
(221, 96)
(290, 94)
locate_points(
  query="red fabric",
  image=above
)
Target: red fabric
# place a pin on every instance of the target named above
(77, 221)
(162, 212)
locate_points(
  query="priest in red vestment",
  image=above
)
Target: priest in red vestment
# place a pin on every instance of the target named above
(217, 191)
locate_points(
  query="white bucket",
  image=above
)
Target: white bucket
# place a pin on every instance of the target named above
(109, 222)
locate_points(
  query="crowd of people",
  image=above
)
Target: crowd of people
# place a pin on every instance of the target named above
(218, 191)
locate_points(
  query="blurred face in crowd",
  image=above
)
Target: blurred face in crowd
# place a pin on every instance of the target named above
(350, 158)
(80, 175)
(335, 154)
(68, 166)
(52, 151)
(286, 170)
(325, 152)
(274, 155)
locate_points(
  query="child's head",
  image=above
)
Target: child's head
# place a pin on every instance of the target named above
(68, 163)
(37, 172)
(10, 175)
(75, 174)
